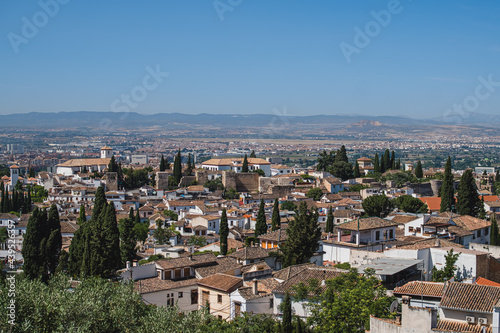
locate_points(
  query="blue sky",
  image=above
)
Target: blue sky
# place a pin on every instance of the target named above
(260, 56)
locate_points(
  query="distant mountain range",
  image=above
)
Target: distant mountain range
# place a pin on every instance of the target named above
(133, 120)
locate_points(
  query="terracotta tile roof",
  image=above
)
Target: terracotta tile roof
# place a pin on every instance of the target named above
(290, 271)
(250, 253)
(197, 260)
(471, 223)
(155, 284)
(222, 282)
(276, 236)
(264, 288)
(367, 224)
(310, 273)
(69, 227)
(222, 265)
(458, 231)
(470, 297)
(485, 282)
(229, 161)
(428, 243)
(85, 162)
(432, 289)
(451, 326)
(433, 203)
(403, 219)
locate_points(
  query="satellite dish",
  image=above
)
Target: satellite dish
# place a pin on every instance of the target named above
(394, 306)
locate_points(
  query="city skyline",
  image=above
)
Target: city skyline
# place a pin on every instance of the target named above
(399, 58)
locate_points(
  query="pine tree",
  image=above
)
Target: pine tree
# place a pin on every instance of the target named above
(54, 241)
(329, 221)
(244, 167)
(341, 155)
(419, 173)
(177, 168)
(357, 173)
(393, 160)
(494, 235)
(260, 224)
(162, 163)
(189, 169)
(275, 218)
(33, 246)
(287, 314)
(447, 191)
(223, 232)
(468, 202)
(252, 154)
(376, 164)
(303, 237)
(128, 241)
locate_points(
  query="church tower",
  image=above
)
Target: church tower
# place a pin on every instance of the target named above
(106, 152)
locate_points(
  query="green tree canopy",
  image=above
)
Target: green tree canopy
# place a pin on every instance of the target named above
(261, 224)
(244, 167)
(409, 204)
(468, 202)
(377, 205)
(275, 218)
(223, 232)
(447, 191)
(315, 193)
(419, 173)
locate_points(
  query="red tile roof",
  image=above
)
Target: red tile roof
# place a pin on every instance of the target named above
(419, 288)
(223, 282)
(451, 326)
(470, 297)
(485, 282)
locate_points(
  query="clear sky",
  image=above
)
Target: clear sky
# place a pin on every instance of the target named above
(250, 56)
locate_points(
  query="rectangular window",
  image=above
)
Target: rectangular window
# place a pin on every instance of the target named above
(391, 234)
(419, 229)
(479, 233)
(194, 296)
(486, 231)
(179, 295)
(219, 298)
(410, 229)
(271, 303)
(237, 309)
(377, 235)
(205, 297)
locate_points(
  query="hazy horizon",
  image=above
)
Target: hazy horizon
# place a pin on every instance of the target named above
(414, 59)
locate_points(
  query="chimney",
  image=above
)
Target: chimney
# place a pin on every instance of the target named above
(255, 289)
(190, 257)
(127, 264)
(437, 243)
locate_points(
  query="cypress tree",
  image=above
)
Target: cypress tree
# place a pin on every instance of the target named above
(481, 212)
(357, 173)
(468, 202)
(128, 241)
(178, 168)
(54, 241)
(419, 173)
(260, 224)
(33, 252)
(275, 219)
(224, 232)
(189, 169)
(167, 164)
(111, 242)
(131, 214)
(376, 164)
(393, 160)
(286, 325)
(497, 176)
(162, 163)
(494, 236)
(77, 245)
(341, 155)
(2, 206)
(252, 155)
(329, 221)
(398, 164)
(82, 217)
(385, 164)
(112, 166)
(447, 191)
(244, 167)
(303, 237)
(137, 218)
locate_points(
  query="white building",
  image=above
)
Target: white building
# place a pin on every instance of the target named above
(236, 164)
(74, 166)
